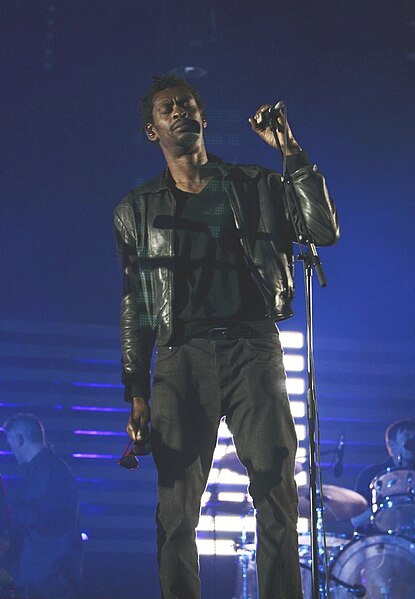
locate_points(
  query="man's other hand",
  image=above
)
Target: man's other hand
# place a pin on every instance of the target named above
(137, 425)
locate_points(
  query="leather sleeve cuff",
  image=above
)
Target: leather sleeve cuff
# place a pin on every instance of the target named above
(297, 161)
(136, 388)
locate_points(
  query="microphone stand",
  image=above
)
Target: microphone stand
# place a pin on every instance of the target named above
(310, 259)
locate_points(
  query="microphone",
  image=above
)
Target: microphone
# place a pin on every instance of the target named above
(269, 115)
(410, 444)
(338, 465)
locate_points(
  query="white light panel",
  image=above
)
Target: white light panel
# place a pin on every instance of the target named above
(226, 477)
(226, 524)
(218, 547)
(295, 386)
(292, 339)
(228, 496)
(301, 431)
(293, 363)
(298, 408)
(301, 478)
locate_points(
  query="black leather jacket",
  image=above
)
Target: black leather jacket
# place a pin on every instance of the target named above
(144, 225)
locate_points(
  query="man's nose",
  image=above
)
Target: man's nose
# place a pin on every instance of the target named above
(180, 112)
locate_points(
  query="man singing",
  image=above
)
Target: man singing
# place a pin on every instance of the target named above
(206, 252)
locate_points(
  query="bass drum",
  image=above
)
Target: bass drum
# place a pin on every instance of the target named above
(334, 543)
(383, 564)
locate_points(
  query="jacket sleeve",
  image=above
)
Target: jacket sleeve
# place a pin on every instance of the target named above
(50, 503)
(137, 336)
(317, 207)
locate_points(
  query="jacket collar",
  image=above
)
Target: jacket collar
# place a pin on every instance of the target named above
(165, 181)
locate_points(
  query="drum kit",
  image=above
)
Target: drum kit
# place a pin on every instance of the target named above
(379, 564)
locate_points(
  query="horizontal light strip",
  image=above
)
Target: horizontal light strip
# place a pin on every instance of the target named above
(224, 449)
(95, 361)
(100, 433)
(226, 524)
(227, 496)
(95, 456)
(295, 386)
(227, 546)
(205, 498)
(298, 408)
(301, 432)
(98, 409)
(227, 477)
(303, 525)
(224, 432)
(301, 478)
(292, 339)
(98, 385)
(293, 363)
(219, 547)
(301, 454)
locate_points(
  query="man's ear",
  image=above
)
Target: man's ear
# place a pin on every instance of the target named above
(151, 134)
(391, 447)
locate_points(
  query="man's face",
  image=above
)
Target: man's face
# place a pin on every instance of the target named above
(177, 120)
(16, 443)
(400, 454)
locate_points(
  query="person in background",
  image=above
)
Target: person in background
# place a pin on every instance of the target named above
(400, 445)
(44, 517)
(6, 586)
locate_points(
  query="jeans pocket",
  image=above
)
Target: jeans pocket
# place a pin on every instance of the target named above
(165, 352)
(265, 348)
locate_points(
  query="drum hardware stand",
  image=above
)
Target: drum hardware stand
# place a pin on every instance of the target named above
(213, 510)
(244, 554)
(357, 590)
(310, 259)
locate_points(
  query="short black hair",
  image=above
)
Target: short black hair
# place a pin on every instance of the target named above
(28, 425)
(399, 425)
(161, 82)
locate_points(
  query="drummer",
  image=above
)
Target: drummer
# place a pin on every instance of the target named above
(400, 444)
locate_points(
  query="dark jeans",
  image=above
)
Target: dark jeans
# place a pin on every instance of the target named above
(195, 384)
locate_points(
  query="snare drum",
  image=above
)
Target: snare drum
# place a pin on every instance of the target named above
(393, 501)
(383, 564)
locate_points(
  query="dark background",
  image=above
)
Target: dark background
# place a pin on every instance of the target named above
(71, 77)
(73, 72)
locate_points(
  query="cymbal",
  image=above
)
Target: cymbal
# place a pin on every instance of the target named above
(339, 503)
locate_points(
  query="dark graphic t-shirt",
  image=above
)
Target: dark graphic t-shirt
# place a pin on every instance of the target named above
(213, 285)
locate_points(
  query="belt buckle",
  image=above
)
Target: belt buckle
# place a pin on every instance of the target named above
(218, 333)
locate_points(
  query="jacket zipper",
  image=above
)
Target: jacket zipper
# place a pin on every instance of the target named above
(260, 282)
(173, 256)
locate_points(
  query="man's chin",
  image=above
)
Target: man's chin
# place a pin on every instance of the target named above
(188, 139)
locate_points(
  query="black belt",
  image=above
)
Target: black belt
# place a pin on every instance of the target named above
(231, 332)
